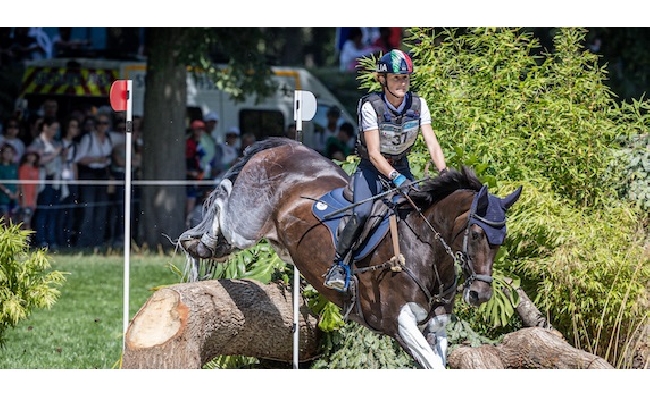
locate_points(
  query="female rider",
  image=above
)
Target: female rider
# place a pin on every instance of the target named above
(389, 122)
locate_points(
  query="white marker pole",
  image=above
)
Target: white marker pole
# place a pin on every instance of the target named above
(120, 97)
(304, 109)
(127, 208)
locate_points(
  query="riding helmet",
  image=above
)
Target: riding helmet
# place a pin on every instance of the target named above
(395, 62)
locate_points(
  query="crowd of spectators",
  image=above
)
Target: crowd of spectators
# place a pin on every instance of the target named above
(64, 165)
(58, 166)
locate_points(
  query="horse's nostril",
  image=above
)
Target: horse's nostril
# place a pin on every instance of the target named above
(473, 295)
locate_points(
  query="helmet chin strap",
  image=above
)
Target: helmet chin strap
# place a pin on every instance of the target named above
(385, 86)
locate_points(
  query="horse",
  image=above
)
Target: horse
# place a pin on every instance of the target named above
(450, 222)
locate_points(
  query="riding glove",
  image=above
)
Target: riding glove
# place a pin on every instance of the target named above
(402, 183)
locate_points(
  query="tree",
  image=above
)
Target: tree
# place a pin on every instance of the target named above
(170, 52)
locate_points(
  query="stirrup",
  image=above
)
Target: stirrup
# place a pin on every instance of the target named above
(338, 277)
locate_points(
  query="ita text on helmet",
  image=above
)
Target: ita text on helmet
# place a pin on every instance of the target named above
(395, 62)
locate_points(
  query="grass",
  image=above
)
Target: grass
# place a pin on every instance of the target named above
(83, 330)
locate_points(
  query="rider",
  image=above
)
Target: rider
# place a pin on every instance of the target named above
(389, 122)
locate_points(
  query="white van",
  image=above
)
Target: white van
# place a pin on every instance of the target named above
(270, 117)
(83, 81)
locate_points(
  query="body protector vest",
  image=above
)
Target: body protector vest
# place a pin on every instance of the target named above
(397, 132)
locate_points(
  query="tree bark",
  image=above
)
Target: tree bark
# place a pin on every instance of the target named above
(537, 346)
(165, 103)
(527, 348)
(188, 324)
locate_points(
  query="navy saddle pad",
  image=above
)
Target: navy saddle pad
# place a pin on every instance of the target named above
(333, 201)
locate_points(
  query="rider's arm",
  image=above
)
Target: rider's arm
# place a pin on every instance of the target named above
(434, 147)
(379, 161)
(430, 138)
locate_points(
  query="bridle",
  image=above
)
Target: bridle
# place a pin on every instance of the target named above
(462, 259)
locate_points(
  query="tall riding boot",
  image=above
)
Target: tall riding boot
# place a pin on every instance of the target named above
(338, 276)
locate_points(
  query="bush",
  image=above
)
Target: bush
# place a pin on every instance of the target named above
(24, 284)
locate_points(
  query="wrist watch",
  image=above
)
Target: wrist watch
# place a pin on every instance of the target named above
(393, 175)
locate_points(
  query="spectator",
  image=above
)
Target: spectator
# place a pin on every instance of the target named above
(70, 189)
(117, 134)
(211, 122)
(12, 136)
(28, 170)
(44, 41)
(64, 46)
(337, 147)
(93, 160)
(389, 38)
(331, 129)
(208, 143)
(34, 122)
(247, 139)
(26, 47)
(353, 48)
(194, 152)
(227, 153)
(118, 171)
(9, 192)
(49, 191)
(88, 125)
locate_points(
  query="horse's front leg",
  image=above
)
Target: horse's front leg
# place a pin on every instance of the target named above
(435, 332)
(412, 339)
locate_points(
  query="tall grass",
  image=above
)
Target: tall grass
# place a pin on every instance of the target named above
(83, 330)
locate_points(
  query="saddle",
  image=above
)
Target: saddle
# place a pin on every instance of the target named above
(375, 228)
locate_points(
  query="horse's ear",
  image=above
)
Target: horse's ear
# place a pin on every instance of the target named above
(482, 200)
(510, 199)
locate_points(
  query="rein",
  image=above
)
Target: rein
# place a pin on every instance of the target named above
(461, 258)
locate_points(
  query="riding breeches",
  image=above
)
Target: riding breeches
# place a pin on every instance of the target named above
(367, 183)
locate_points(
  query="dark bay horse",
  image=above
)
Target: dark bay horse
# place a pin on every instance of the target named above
(451, 222)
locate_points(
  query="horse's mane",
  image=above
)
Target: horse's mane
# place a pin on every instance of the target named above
(433, 190)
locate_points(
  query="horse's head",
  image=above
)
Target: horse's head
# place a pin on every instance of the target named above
(484, 233)
(474, 222)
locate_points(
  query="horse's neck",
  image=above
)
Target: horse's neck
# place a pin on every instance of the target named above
(449, 215)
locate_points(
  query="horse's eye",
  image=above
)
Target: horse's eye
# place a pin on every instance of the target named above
(476, 235)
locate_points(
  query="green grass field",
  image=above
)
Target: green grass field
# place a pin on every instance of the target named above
(84, 327)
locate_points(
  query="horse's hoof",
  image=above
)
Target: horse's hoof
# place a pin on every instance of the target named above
(197, 249)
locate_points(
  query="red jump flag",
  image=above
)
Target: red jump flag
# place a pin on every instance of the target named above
(119, 95)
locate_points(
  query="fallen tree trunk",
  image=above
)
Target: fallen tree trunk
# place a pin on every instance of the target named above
(537, 346)
(528, 348)
(188, 324)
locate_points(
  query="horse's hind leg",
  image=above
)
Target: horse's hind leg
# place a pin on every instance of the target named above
(206, 241)
(412, 339)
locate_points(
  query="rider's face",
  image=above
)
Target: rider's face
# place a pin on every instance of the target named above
(398, 84)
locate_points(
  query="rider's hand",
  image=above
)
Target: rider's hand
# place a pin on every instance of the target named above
(406, 185)
(402, 183)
